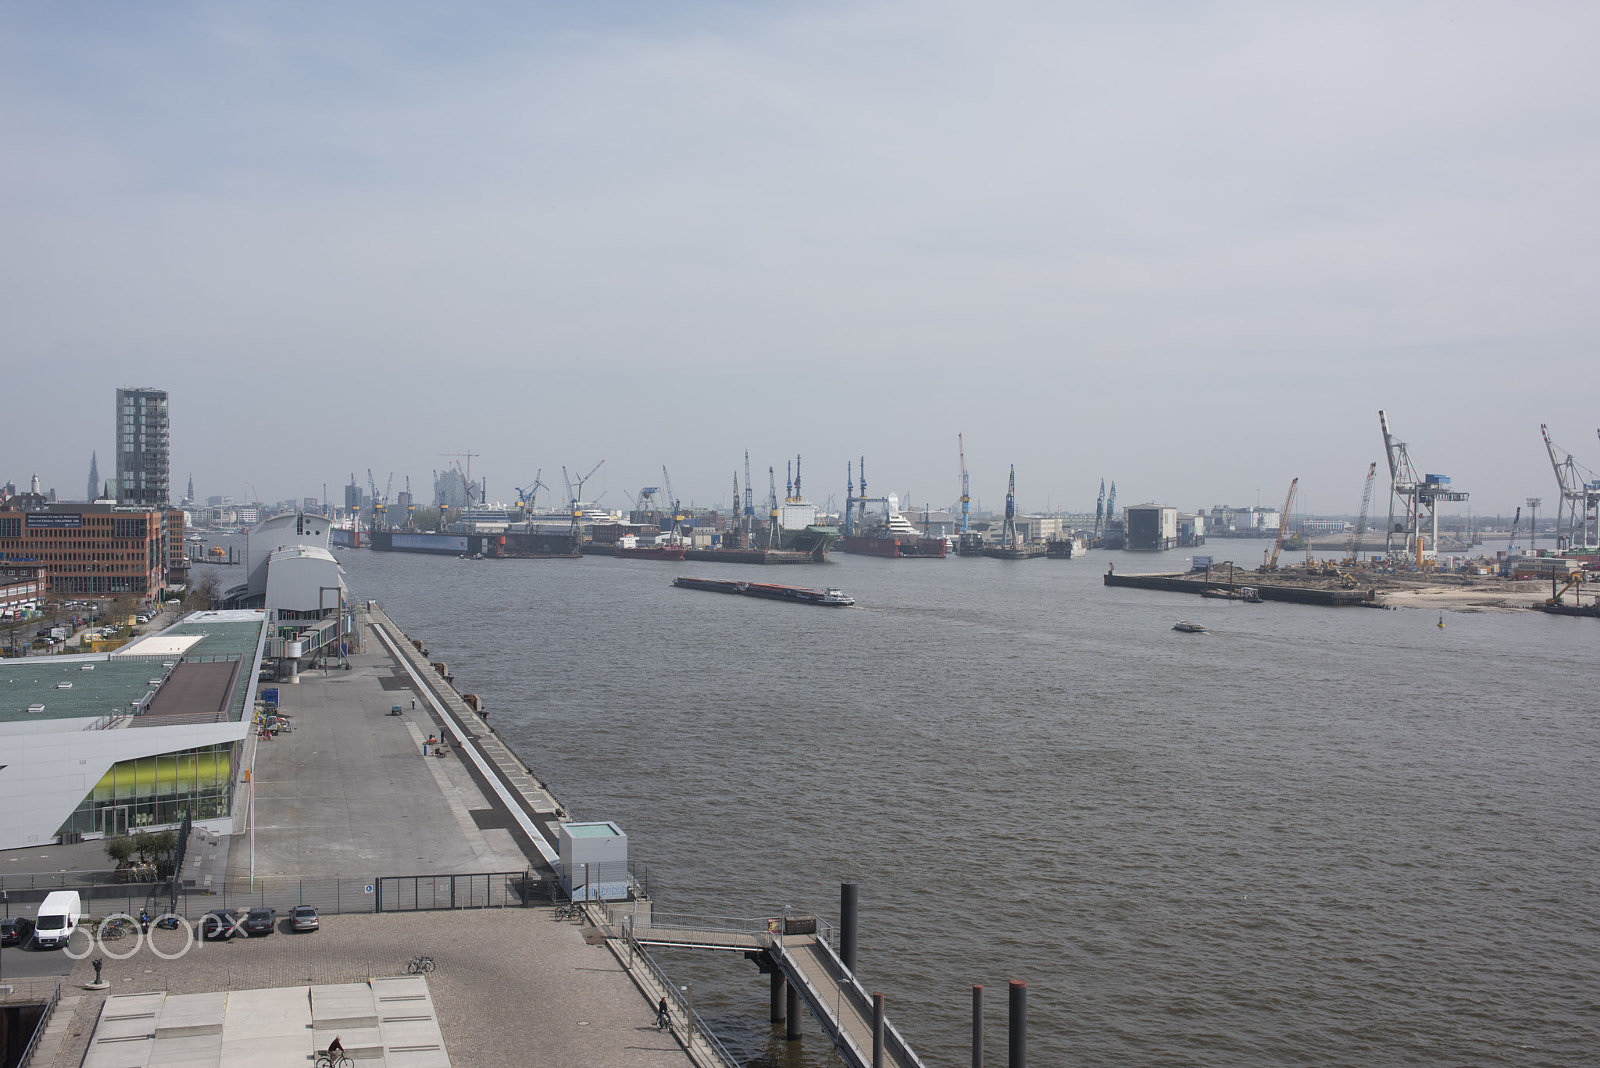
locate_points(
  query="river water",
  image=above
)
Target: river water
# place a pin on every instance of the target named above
(1308, 836)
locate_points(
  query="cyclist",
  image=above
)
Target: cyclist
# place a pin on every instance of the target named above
(335, 1046)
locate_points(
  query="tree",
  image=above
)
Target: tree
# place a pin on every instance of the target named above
(120, 849)
(203, 592)
(153, 845)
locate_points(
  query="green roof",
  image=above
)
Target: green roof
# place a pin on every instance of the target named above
(102, 684)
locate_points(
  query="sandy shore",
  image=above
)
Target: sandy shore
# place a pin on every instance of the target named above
(1514, 597)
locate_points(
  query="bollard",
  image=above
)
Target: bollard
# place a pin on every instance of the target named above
(848, 900)
(977, 1025)
(791, 1030)
(877, 1030)
(779, 996)
(1019, 1024)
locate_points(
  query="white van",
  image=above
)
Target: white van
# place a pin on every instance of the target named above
(57, 918)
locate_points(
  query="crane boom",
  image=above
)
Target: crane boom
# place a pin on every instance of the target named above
(966, 494)
(1361, 520)
(772, 508)
(1283, 525)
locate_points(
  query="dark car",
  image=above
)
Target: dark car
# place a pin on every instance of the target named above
(261, 921)
(15, 931)
(221, 925)
(305, 918)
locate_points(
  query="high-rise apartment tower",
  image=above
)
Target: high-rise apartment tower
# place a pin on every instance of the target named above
(142, 447)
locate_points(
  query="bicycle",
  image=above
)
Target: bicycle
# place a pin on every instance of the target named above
(333, 1058)
(419, 965)
(572, 910)
(113, 930)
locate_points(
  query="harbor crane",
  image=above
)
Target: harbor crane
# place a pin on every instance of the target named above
(849, 494)
(1111, 502)
(772, 508)
(575, 498)
(749, 501)
(672, 500)
(1008, 529)
(966, 491)
(1100, 508)
(1414, 498)
(1511, 544)
(1579, 507)
(1283, 526)
(411, 503)
(1361, 520)
(526, 495)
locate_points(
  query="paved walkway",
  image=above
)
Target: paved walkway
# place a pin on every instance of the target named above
(513, 987)
(348, 793)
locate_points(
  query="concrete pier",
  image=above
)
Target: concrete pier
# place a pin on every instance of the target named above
(344, 799)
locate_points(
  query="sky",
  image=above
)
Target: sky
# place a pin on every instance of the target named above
(1192, 248)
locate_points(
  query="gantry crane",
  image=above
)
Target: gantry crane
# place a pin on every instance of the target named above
(1100, 508)
(1361, 520)
(1416, 498)
(1283, 526)
(1579, 507)
(966, 493)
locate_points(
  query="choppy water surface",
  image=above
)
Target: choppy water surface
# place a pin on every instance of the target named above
(1310, 836)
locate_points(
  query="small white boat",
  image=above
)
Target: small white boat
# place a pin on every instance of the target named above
(1188, 628)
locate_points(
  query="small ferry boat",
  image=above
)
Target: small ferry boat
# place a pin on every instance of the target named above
(1188, 628)
(832, 597)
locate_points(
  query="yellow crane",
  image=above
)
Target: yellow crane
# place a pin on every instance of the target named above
(1283, 526)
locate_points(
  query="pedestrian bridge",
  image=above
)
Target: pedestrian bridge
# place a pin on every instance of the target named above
(798, 953)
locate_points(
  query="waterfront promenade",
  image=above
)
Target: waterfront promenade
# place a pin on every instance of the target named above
(345, 798)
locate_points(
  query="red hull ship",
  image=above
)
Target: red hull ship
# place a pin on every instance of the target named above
(651, 552)
(895, 547)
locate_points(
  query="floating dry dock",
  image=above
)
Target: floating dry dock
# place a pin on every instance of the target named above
(1197, 582)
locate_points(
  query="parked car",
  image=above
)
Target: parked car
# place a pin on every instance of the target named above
(305, 918)
(15, 930)
(260, 921)
(221, 925)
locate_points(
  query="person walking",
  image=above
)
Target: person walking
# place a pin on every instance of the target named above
(663, 1018)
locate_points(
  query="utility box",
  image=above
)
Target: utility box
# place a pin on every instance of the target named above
(594, 861)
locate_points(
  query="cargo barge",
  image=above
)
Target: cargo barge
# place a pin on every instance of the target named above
(829, 598)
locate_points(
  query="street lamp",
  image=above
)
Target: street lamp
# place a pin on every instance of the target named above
(688, 1009)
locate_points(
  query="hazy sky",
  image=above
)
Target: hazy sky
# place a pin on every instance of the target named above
(1190, 247)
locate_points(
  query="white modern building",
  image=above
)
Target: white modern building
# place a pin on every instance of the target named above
(109, 743)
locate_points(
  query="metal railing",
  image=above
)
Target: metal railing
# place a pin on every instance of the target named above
(38, 1031)
(425, 893)
(694, 1023)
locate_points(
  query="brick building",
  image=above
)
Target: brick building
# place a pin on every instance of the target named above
(96, 550)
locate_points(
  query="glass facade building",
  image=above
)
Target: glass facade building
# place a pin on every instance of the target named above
(157, 791)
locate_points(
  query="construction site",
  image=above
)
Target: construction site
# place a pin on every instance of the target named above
(1407, 563)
